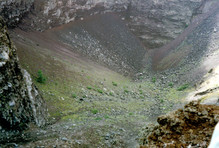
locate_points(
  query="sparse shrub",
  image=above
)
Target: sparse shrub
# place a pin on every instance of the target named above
(74, 95)
(142, 97)
(183, 87)
(130, 114)
(161, 100)
(99, 90)
(94, 111)
(154, 79)
(140, 91)
(89, 87)
(114, 84)
(170, 84)
(110, 93)
(98, 118)
(106, 117)
(40, 77)
(126, 91)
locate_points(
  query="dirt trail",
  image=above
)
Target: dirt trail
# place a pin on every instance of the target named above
(162, 52)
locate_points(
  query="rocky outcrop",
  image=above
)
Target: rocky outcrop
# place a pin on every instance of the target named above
(20, 101)
(13, 10)
(154, 22)
(207, 91)
(191, 126)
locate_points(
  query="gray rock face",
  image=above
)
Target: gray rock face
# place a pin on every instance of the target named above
(20, 102)
(154, 22)
(13, 10)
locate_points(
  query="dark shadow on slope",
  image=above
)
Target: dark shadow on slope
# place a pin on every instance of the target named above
(180, 60)
(197, 32)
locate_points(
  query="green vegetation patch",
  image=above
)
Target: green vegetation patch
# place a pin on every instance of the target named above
(183, 87)
(111, 94)
(74, 95)
(114, 84)
(154, 79)
(41, 78)
(126, 91)
(99, 90)
(89, 87)
(170, 84)
(94, 111)
(98, 118)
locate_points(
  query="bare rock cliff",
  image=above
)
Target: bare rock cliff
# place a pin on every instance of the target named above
(20, 101)
(154, 22)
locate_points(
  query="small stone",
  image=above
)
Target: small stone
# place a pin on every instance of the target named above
(122, 129)
(204, 112)
(11, 103)
(64, 139)
(107, 137)
(78, 142)
(9, 85)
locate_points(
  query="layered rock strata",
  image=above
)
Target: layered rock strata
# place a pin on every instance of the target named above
(154, 22)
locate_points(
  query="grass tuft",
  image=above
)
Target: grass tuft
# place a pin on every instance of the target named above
(74, 95)
(89, 87)
(99, 90)
(154, 79)
(94, 111)
(183, 87)
(114, 84)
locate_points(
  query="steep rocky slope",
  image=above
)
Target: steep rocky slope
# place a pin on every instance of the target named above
(105, 39)
(90, 104)
(154, 22)
(191, 55)
(20, 101)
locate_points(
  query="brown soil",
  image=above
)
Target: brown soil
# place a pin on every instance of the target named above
(191, 126)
